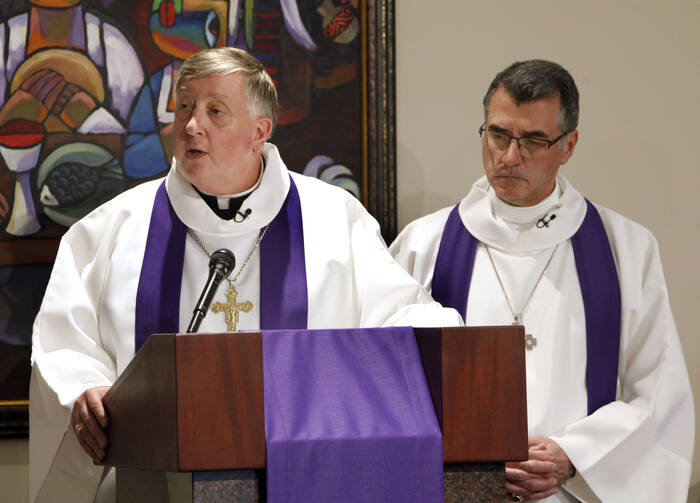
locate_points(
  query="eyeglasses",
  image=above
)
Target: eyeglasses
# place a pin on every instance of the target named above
(531, 145)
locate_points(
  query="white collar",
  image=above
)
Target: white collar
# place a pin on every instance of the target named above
(514, 229)
(523, 217)
(264, 202)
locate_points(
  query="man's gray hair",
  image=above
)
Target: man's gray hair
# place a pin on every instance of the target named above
(536, 79)
(259, 89)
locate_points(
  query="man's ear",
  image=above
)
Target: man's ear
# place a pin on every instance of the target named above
(263, 130)
(569, 145)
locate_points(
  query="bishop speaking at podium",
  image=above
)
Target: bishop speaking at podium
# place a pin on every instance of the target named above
(308, 256)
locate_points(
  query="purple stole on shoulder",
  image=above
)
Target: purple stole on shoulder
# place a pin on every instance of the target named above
(283, 294)
(600, 289)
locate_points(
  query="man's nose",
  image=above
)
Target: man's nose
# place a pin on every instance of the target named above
(192, 126)
(512, 155)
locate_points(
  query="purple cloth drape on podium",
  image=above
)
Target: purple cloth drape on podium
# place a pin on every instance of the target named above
(349, 418)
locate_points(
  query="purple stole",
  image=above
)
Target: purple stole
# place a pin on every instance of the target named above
(283, 294)
(600, 289)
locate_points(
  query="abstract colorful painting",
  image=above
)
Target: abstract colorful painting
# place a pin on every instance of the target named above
(86, 110)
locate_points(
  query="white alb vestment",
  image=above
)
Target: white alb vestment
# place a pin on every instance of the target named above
(84, 332)
(638, 448)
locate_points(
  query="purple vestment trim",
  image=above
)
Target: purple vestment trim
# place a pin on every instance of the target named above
(158, 295)
(600, 289)
(283, 295)
(283, 268)
(454, 265)
(349, 418)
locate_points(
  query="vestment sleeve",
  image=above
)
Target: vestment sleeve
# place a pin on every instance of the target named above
(638, 448)
(388, 295)
(416, 247)
(68, 357)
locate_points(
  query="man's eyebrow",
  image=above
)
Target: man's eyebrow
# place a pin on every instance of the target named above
(535, 133)
(498, 129)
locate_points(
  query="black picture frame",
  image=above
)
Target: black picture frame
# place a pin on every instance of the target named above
(379, 90)
(14, 378)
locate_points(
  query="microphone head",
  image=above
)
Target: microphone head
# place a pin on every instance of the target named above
(223, 260)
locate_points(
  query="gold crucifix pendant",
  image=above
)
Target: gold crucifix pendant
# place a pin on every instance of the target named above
(231, 309)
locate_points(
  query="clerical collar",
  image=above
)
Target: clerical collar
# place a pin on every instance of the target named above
(227, 206)
(264, 202)
(522, 230)
(524, 216)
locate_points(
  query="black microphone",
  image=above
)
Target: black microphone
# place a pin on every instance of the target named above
(221, 264)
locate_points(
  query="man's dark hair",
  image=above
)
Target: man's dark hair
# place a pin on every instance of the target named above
(537, 79)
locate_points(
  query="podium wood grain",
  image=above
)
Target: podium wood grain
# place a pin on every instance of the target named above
(142, 409)
(190, 403)
(220, 411)
(485, 402)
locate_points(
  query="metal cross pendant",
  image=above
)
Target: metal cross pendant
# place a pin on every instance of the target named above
(231, 309)
(530, 340)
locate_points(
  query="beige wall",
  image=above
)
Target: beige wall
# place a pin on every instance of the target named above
(14, 470)
(636, 65)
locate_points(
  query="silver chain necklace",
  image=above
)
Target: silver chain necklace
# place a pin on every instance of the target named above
(231, 309)
(530, 340)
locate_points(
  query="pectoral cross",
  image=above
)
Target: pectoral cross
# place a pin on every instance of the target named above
(232, 308)
(530, 340)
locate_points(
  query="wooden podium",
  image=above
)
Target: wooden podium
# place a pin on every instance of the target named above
(187, 415)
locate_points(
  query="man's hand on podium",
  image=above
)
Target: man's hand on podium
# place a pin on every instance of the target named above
(547, 467)
(89, 420)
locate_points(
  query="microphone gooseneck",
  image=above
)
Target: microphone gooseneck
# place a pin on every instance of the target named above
(221, 263)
